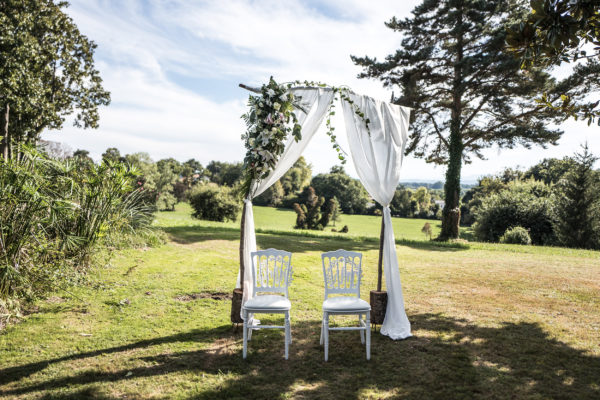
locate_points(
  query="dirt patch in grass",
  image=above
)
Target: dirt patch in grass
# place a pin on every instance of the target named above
(204, 295)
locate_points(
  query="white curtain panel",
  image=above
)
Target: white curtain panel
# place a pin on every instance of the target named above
(378, 158)
(315, 102)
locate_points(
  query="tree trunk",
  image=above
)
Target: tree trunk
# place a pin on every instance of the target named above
(380, 262)
(451, 211)
(5, 144)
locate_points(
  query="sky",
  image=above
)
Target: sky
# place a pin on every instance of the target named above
(173, 69)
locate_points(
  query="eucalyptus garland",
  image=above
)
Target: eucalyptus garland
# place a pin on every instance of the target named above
(271, 119)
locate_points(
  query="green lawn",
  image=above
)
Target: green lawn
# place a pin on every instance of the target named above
(489, 321)
(268, 219)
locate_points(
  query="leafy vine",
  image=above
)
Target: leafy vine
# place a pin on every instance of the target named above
(271, 119)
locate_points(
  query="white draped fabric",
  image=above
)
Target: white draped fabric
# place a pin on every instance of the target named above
(315, 102)
(377, 158)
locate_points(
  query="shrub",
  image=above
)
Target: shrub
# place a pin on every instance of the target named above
(54, 215)
(516, 235)
(166, 202)
(214, 203)
(527, 204)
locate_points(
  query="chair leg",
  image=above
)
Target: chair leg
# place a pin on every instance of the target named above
(326, 334)
(290, 330)
(322, 325)
(287, 334)
(362, 332)
(245, 350)
(368, 317)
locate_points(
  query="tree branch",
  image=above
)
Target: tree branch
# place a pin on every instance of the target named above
(482, 134)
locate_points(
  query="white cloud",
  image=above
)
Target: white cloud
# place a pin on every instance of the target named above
(173, 66)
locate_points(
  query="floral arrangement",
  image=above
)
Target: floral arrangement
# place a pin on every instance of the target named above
(268, 126)
(271, 119)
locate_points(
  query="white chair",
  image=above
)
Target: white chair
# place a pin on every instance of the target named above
(342, 273)
(271, 273)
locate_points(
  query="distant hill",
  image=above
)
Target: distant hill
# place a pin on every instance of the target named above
(433, 185)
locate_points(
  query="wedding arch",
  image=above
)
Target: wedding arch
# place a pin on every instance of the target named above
(282, 120)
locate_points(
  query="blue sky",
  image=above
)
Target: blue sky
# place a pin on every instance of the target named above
(173, 69)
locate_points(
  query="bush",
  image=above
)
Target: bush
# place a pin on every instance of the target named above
(214, 203)
(516, 235)
(526, 204)
(54, 215)
(166, 202)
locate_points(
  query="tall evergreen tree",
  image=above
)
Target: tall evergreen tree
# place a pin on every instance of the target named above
(467, 93)
(578, 210)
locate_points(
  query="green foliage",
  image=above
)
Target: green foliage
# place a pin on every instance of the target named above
(47, 72)
(555, 31)
(468, 94)
(225, 173)
(166, 202)
(55, 215)
(309, 214)
(527, 204)
(214, 203)
(112, 154)
(352, 196)
(578, 210)
(516, 235)
(550, 170)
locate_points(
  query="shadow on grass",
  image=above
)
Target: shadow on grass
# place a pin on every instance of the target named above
(447, 358)
(299, 241)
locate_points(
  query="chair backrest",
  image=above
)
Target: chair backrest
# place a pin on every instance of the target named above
(271, 271)
(342, 272)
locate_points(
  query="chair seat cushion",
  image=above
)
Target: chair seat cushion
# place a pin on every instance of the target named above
(268, 302)
(345, 304)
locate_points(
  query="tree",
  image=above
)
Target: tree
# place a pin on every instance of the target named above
(47, 72)
(337, 211)
(297, 177)
(112, 154)
(192, 172)
(400, 205)
(351, 194)
(578, 211)
(550, 170)
(224, 173)
(308, 215)
(467, 93)
(423, 198)
(556, 31)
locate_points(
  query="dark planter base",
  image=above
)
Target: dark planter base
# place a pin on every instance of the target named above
(236, 306)
(378, 306)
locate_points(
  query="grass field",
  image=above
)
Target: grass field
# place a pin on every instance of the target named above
(489, 321)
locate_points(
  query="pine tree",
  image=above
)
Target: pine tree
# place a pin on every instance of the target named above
(467, 92)
(578, 210)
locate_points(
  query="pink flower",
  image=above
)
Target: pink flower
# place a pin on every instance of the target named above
(269, 120)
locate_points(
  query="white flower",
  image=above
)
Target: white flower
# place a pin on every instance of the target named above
(251, 142)
(266, 155)
(274, 129)
(265, 140)
(276, 106)
(283, 97)
(270, 92)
